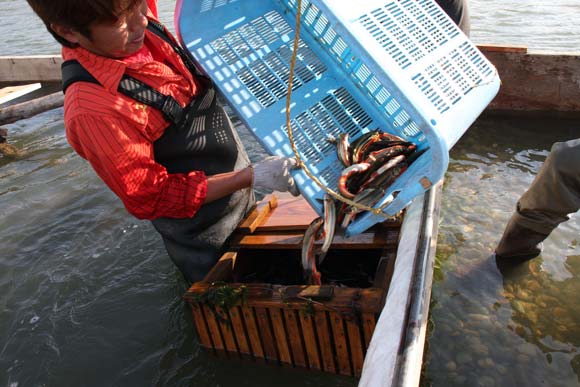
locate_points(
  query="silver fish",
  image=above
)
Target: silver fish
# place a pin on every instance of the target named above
(329, 226)
(308, 256)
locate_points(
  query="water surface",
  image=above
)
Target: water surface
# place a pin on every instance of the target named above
(88, 296)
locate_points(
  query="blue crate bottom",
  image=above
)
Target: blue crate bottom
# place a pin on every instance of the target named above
(396, 189)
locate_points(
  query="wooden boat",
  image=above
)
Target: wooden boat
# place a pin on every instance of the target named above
(395, 307)
(328, 327)
(374, 333)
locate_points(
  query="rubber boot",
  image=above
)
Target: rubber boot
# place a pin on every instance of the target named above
(519, 242)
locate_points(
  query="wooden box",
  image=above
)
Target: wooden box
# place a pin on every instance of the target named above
(254, 303)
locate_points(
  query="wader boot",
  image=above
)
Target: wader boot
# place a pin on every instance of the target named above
(519, 242)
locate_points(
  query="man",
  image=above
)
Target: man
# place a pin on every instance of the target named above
(150, 125)
(552, 196)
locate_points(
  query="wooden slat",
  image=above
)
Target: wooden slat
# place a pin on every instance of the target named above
(200, 326)
(290, 214)
(339, 336)
(227, 331)
(310, 340)
(344, 299)
(494, 48)
(384, 271)
(293, 240)
(356, 345)
(295, 338)
(252, 331)
(36, 68)
(539, 84)
(223, 269)
(266, 334)
(325, 341)
(213, 328)
(295, 214)
(258, 214)
(12, 92)
(281, 336)
(239, 331)
(369, 323)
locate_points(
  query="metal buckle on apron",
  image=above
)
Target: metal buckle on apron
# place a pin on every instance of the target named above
(171, 110)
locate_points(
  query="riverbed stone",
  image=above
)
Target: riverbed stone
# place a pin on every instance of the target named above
(464, 357)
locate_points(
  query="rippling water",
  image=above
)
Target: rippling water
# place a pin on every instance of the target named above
(88, 296)
(501, 326)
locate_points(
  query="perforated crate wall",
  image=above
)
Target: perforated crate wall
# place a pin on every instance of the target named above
(400, 66)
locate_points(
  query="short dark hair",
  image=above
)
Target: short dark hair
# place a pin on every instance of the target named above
(79, 15)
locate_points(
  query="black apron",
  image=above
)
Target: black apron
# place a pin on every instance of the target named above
(200, 137)
(204, 140)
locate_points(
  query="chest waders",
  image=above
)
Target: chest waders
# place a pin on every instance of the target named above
(199, 137)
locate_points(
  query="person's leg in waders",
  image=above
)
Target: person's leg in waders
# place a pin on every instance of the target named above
(458, 11)
(552, 196)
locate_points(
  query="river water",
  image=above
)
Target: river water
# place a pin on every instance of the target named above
(88, 296)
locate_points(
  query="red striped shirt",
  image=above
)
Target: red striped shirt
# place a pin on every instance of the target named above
(116, 133)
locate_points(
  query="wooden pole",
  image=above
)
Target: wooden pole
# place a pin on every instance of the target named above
(27, 109)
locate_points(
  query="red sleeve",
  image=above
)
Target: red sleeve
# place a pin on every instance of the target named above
(123, 159)
(152, 4)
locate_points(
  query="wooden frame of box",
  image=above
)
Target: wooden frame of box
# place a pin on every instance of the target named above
(325, 328)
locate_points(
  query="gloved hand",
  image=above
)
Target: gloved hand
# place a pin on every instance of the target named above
(273, 173)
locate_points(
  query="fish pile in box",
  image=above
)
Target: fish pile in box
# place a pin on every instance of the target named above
(372, 163)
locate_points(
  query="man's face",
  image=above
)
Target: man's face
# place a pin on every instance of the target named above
(119, 39)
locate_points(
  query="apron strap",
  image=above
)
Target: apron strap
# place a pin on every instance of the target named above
(160, 30)
(73, 71)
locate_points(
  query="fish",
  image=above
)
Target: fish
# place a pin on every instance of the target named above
(346, 174)
(372, 163)
(308, 256)
(329, 226)
(343, 149)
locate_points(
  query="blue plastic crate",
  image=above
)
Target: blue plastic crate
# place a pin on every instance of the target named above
(401, 66)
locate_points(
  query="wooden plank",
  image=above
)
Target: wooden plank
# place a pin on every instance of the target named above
(293, 240)
(252, 331)
(257, 216)
(213, 328)
(240, 331)
(292, 213)
(256, 292)
(540, 84)
(266, 334)
(310, 340)
(201, 328)
(356, 345)
(369, 323)
(281, 336)
(295, 338)
(325, 341)
(12, 92)
(295, 214)
(37, 68)
(347, 300)
(340, 345)
(495, 48)
(223, 269)
(227, 331)
(384, 272)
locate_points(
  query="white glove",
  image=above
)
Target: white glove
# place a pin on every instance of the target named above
(273, 173)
